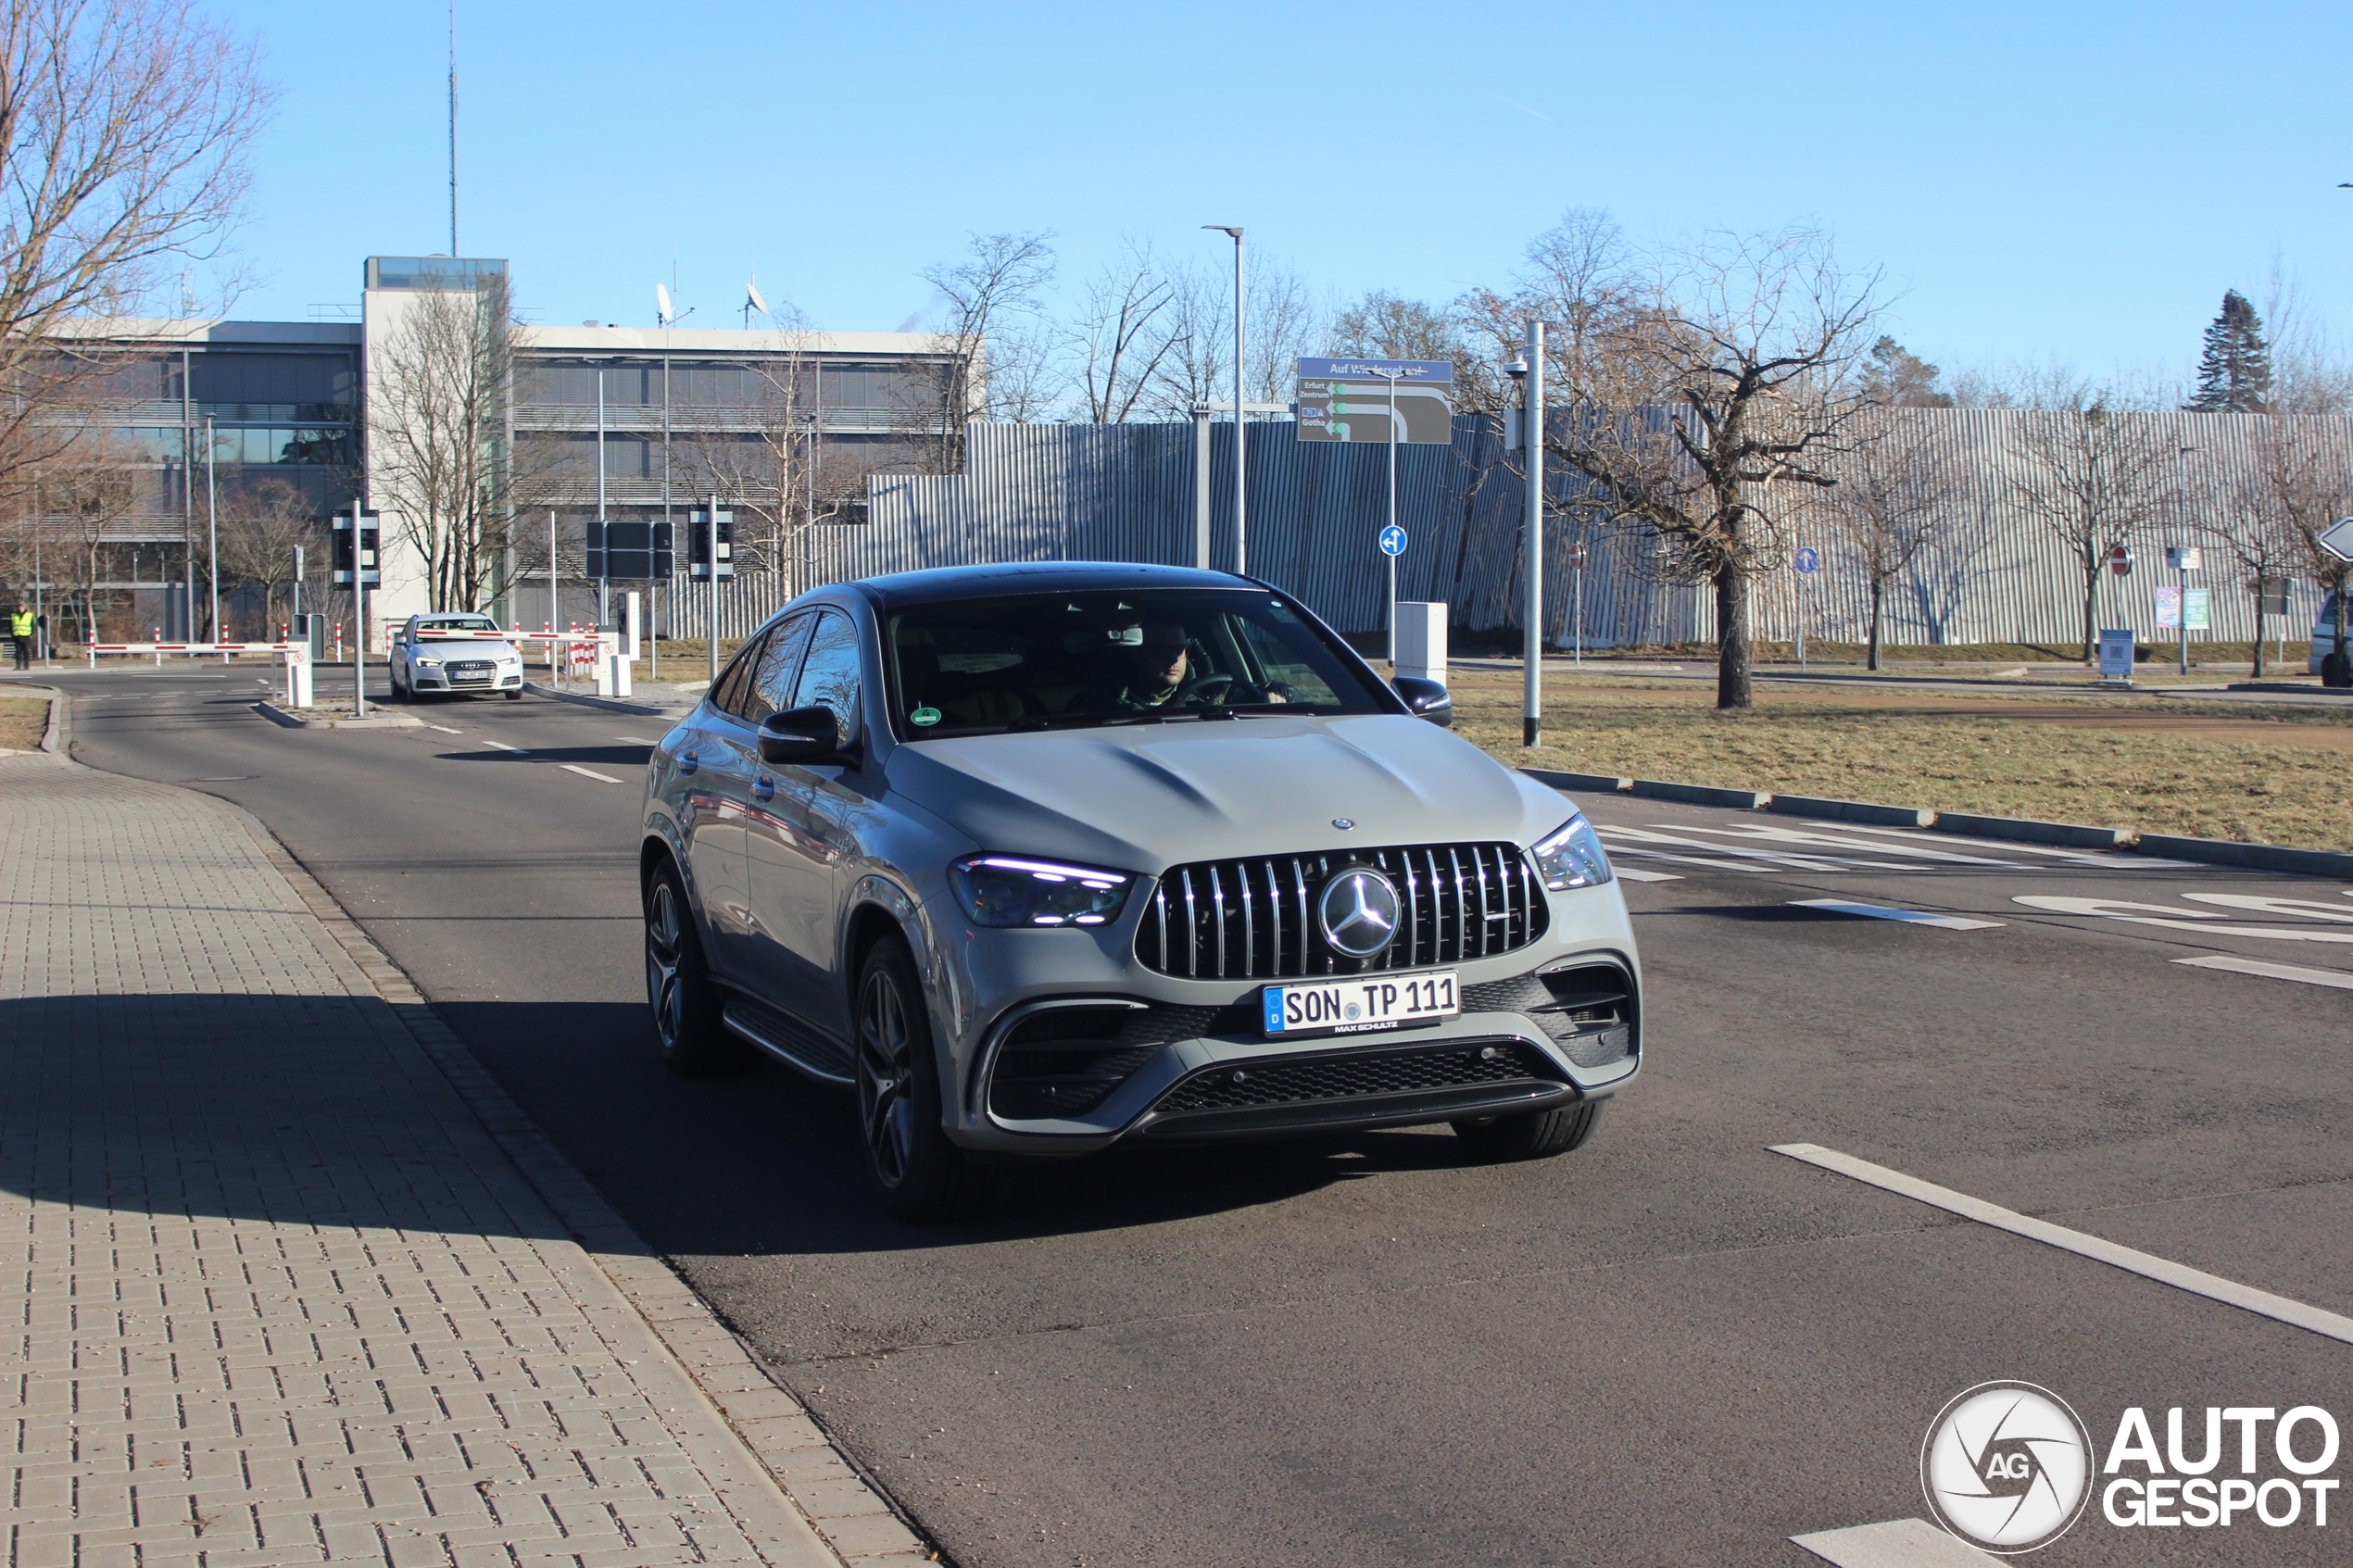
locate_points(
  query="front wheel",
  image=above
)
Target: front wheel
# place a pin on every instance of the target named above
(687, 1027)
(920, 1175)
(514, 696)
(1536, 1135)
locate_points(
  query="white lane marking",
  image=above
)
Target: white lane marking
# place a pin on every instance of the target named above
(1833, 841)
(2279, 909)
(2198, 1281)
(1633, 873)
(2115, 858)
(504, 746)
(634, 740)
(1894, 1543)
(2273, 971)
(587, 773)
(1766, 859)
(1910, 917)
(2172, 919)
(448, 731)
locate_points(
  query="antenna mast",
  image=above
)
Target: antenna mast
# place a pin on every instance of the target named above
(453, 129)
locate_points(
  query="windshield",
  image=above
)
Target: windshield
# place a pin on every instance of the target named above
(448, 624)
(1038, 661)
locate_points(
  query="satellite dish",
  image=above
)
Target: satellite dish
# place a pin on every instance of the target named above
(751, 291)
(661, 302)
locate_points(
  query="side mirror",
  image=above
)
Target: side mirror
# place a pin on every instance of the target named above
(801, 737)
(1428, 700)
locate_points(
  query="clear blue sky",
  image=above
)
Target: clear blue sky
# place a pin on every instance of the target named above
(2061, 180)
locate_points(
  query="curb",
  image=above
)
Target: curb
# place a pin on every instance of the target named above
(610, 704)
(825, 1489)
(2257, 856)
(2027, 831)
(284, 720)
(2024, 830)
(1603, 783)
(1700, 795)
(1852, 812)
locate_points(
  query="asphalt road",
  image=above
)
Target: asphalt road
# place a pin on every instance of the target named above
(1674, 1345)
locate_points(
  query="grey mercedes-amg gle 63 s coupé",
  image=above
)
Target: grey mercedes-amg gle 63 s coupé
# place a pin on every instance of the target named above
(1039, 859)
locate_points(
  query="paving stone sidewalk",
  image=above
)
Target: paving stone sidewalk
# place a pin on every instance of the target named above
(280, 1294)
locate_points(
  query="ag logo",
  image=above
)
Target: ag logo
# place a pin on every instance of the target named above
(2007, 1467)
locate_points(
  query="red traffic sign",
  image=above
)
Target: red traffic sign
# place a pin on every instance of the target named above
(1576, 555)
(2120, 561)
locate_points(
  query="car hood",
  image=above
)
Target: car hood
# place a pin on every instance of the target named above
(466, 647)
(1144, 798)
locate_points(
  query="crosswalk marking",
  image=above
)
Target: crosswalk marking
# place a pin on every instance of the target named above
(1894, 1543)
(1910, 917)
(448, 731)
(504, 746)
(1635, 873)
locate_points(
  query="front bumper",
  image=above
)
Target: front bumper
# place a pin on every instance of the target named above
(440, 680)
(1161, 1058)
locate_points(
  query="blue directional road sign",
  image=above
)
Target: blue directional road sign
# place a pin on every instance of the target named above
(1807, 561)
(1392, 541)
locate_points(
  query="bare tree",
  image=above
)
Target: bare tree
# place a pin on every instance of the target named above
(2093, 479)
(86, 492)
(988, 301)
(2311, 368)
(1282, 323)
(261, 526)
(1695, 391)
(2308, 471)
(124, 126)
(1125, 334)
(1894, 487)
(442, 384)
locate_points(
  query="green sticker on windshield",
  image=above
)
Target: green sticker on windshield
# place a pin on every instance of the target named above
(924, 716)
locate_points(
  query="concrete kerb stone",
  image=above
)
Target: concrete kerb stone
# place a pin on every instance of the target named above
(1852, 812)
(290, 721)
(610, 704)
(712, 1367)
(1590, 784)
(2255, 857)
(2073, 836)
(1701, 795)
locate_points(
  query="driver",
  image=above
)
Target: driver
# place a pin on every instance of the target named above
(1159, 662)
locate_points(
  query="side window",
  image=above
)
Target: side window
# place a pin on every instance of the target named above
(830, 673)
(734, 682)
(779, 662)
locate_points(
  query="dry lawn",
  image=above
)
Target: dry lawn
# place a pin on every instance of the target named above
(2277, 774)
(23, 720)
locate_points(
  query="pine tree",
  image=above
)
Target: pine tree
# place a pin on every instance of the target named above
(1898, 378)
(2234, 371)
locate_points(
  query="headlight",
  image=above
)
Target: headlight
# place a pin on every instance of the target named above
(421, 662)
(1571, 857)
(1007, 890)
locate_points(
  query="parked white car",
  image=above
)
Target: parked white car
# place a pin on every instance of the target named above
(2323, 634)
(448, 654)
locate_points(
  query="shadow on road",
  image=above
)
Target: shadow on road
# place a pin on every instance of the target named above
(762, 1161)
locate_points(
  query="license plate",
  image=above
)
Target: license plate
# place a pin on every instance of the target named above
(1360, 1004)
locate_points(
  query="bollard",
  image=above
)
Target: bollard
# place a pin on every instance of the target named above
(617, 676)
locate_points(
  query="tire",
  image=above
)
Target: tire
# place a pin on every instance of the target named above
(1536, 1134)
(514, 696)
(399, 692)
(686, 1008)
(920, 1175)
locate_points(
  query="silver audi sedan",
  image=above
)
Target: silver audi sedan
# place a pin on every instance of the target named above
(1038, 859)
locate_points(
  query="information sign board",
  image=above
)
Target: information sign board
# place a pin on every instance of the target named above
(339, 564)
(2169, 607)
(699, 551)
(1352, 400)
(629, 551)
(2198, 607)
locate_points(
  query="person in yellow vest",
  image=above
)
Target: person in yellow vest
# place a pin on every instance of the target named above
(20, 633)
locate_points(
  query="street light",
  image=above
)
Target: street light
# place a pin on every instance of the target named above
(1241, 559)
(1527, 369)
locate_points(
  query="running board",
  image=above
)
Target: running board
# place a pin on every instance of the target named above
(805, 1053)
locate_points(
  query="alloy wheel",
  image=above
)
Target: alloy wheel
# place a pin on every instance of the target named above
(663, 986)
(885, 1071)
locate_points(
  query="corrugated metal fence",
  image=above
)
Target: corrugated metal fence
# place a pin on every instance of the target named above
(1990, 572)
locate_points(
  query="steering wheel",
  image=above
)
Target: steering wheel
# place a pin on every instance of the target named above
(1193, 688)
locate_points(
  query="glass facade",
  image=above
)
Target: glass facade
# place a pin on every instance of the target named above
(431, 274)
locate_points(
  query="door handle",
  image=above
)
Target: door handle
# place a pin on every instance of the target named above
(763, 788)
(688, 762)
